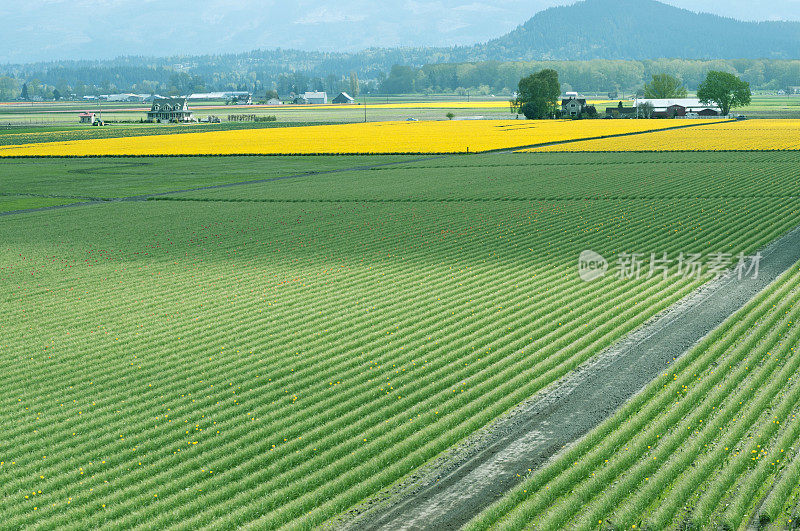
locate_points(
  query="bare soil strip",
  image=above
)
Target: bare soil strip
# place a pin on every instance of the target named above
(457, 487)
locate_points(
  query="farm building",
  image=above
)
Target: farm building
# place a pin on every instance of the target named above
(343, 97)
(620, 111)
(684, 107)
(572, 106)
(88, 118)
(316, 98)
(242, 99)
(237, 98)
(170, 110)
(274, 101)
(130, 98)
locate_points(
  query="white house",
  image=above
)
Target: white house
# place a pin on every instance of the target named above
(572, 107)
(167, 110)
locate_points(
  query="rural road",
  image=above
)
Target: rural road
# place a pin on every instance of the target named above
(450, 496)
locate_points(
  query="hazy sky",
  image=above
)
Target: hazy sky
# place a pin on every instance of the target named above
(34, 30)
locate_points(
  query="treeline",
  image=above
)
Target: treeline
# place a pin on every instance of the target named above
(252, 72)
(256, 71)
(585, 76)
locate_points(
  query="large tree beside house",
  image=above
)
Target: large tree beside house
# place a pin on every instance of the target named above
(726, 90)
(538, 95)
(664, 86)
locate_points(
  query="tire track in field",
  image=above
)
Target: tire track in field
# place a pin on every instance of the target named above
(522, 199)
(457, 487)
(145, 197)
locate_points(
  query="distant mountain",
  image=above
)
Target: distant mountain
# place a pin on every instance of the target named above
(637, 30)
(640, 29)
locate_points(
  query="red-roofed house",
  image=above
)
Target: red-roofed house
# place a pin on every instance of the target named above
(88, 118)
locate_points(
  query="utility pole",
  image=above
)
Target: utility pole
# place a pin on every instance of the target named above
(365, 108)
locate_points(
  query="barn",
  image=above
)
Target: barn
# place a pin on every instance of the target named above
(344, 97)
(316, 98)
(682, 107)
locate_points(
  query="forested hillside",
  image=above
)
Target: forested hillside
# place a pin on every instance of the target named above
(641, 29)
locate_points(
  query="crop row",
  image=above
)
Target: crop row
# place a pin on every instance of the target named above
(720, 425)
(741, 177)
(352, 389)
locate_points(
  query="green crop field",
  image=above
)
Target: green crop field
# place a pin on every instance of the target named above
(712, 443)
(124, 177)
(277, 353)
(58, 115)
(33, 135)
(543, 176)
(9, 203)
(21, 117)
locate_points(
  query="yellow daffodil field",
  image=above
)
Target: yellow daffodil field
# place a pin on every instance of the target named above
(468, 136)
(748, 135)
(278, 342)
(433, 137)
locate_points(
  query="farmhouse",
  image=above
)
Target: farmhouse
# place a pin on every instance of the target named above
(88, 118)
(572, 106)
(170, 110)
(316, 98)
(343, 97)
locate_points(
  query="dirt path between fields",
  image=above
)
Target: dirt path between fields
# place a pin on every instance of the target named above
(449, 492)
